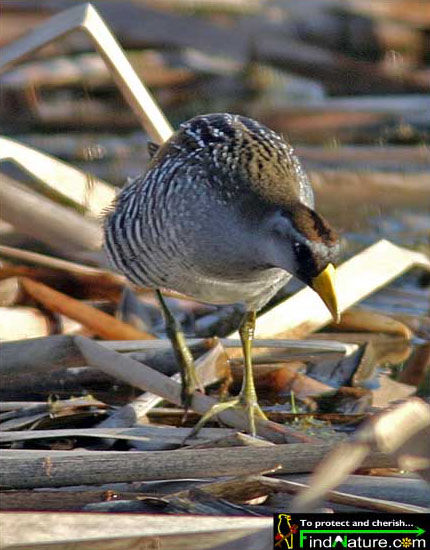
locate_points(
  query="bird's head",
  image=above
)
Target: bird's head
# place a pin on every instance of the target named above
(303, 243)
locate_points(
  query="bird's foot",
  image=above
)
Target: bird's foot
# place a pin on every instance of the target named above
(243, 403)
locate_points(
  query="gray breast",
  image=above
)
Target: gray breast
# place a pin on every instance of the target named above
(254, 292)
(175, 249)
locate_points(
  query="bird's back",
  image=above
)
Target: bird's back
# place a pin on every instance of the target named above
(192, 222)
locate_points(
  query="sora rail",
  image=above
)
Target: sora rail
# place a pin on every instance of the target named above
(224, 214)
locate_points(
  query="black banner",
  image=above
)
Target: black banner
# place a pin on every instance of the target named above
(352, 530)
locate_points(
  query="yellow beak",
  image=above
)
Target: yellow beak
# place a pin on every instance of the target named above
(323, 284)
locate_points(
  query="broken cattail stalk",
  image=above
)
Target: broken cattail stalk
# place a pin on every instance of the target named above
(360, 320)
(210, 368)
(303, 346)
(396, 431)
(81, 531)
(96, 321)
(23, 322)
(173, 436)
(86, 18)
(57, 263)
(30, 469)
(81, 188)
(10, 292)
(41, 218)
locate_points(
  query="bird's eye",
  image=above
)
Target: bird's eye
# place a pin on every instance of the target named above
(300, 249)
(302, 252)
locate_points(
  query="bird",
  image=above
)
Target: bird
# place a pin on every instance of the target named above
(224, 214)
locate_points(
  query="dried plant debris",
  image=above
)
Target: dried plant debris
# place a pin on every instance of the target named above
(359, 320)
(402, 431)
(22, 469)
(86, 18)
(53, 224)
(51, 414)
(141, 376)
(176, 532)
(79, 189)
(339, 401)
(151, 438)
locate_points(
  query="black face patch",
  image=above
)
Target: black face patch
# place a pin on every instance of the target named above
(312, 259)
(307, 266)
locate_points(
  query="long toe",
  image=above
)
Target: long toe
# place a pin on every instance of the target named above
(213, 411)
(251, 410)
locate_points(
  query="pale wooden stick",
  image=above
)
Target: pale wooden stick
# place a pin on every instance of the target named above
(245, 488)
(388, 432)
(141, 433)
(57, 263)
(85, 17)
(376, 504)
(14, 405)
(30, 469)
(21, 322)
(236, 439)
(355, 279)
(46, 354)
(82, 188)
(138, 97)
(82, 531)
(148, 379)
(39, 355)
(304, 346)
(208, 370)
(35, 215)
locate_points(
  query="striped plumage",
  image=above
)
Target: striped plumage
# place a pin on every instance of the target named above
(223, 214)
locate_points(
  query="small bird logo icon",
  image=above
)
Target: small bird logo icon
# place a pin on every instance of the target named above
(285, 532)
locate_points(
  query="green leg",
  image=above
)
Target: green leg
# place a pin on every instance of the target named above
(189, 378)
(247, 398)
(248, 395)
